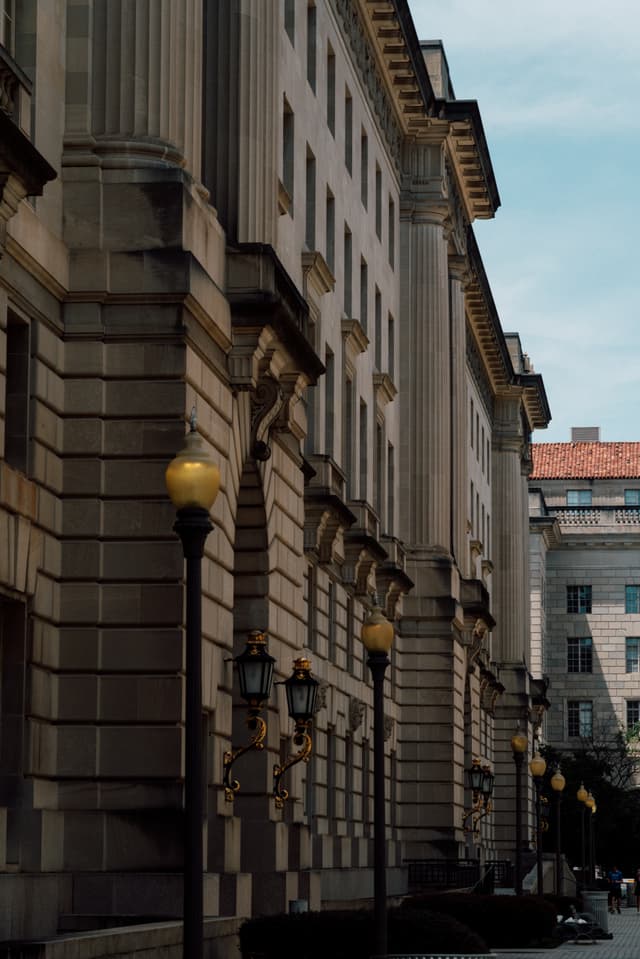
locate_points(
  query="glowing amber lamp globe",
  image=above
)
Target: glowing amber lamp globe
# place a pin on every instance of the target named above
(192, 478)
(519, 742)
(538, 766)
(377, 633)
(558, 781)
(582, 794)
(590, 802)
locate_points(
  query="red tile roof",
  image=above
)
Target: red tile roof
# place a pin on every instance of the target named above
(585, 461)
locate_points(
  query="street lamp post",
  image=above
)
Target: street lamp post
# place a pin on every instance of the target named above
(538, 768)
(519, 745)
(193, 481)
(377, 637)
(590, 804)
(581, 796)
(557, 784)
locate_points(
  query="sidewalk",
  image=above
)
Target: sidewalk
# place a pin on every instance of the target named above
(624, 945)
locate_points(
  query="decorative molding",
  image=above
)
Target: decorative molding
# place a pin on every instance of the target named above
(355, 339)
(321, 697)
(266, 403)
(316, 273)
(357, 710)
(389, 727)
(479, 373)
(365, 62)
(385, 389)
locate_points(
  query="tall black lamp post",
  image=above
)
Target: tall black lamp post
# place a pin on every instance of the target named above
(377, 637)
(581, 796)
(557, 784)
(538, 768)
(193, 481)
(590, 804)
(519, 745)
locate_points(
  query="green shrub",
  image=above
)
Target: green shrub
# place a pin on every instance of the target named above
(349, 934)
(503, 922)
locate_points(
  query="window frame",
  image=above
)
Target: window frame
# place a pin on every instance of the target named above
(632, 599)
(583, 603)
(632, 497)
(581, 497)
(576, 711)
(579, 654)
(631, 654)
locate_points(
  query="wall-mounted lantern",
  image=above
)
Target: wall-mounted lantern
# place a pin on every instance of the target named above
(301, 689)
(255, 676)
(480, 779)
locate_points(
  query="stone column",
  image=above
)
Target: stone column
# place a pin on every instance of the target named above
(459, 484)
(425, 378)
(510, 606)
(135, 95)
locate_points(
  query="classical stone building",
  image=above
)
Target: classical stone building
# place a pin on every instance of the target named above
(263, 209)
(584, 507)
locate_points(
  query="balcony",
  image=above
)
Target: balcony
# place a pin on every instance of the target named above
(15, 92)
(610, 518)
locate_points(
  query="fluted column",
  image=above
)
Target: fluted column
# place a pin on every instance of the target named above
(510, 541)
(135, 97)
(426, 385)
(459, 484)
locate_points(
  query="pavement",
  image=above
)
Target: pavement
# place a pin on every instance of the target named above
(624, 945)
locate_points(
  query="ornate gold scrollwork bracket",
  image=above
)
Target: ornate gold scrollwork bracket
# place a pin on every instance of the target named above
(485, 809)
(301, 738)
(472, 813)
(258, 726)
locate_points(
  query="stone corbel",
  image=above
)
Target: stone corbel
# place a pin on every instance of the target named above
(480, 630)
(392, 582)
(266, 403)
(389, 727)
(358, 567)
(357, 710)
(322, 697)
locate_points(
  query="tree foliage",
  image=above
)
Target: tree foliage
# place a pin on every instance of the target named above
(608, 764)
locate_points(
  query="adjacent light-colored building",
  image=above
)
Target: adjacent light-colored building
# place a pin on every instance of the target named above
(584, 503)
(263, 209)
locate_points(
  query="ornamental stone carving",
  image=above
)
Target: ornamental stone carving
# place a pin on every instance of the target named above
(357, 710)
(266, 403)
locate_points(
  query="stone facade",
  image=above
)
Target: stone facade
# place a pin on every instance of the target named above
(262, 209)
(585, 532)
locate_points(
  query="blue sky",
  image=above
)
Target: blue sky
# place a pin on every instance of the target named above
(558, 85)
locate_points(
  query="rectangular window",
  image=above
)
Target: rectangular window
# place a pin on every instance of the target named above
(478, 437)
(288, 152)
(364, 295)
(16, 422)
(580, 655)
(348, 130)
(578, 497)
(348, 273)
(329, 402)
(331, 774)
(632, 497)
(311, 607)
(348, 783)
(482, 446)
(472, 502)
(633, 714)
(391, 469)
(290, 19)
(488, 461)
(632, 599)
(391, 347)
(378, 329)
(580, 719)
(331, 622)
(378, 202)
(364, 447)
(578, 599)
(632, 654)
(348, 435)
(350, 636)
(310, 221)
(330, 229)
(331, 90)
(471, 422)
(379, 473)
(364, 169)
(7, 25)
(392, 233)
(311, 46)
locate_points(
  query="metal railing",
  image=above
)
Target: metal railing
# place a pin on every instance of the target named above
(459, 874)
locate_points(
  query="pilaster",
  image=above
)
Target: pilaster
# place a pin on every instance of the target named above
(425, 349)
(459, 484)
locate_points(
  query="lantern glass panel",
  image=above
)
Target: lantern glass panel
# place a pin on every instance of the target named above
(487, 782)
(475, 777)
(301, 698)
(255, 675)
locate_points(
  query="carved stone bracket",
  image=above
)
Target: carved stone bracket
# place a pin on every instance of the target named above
(321, 697)
(389, 727)
(478, 634)
(326, 517)
(392, 581)
(490, 690)
(357, 710)
(266, 404)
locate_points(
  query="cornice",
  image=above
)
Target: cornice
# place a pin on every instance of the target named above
(485, 322)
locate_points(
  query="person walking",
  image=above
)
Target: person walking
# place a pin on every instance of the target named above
(615, 877)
